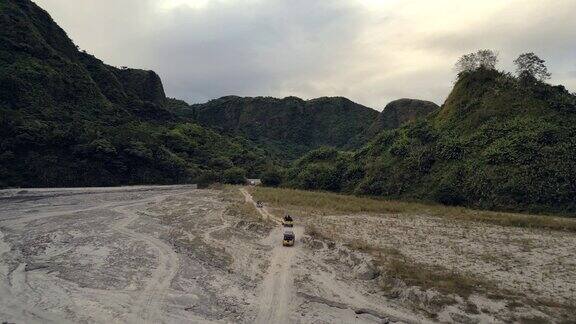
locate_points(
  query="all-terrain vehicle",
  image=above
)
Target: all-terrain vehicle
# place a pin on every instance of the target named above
(289, 238)
(287, 221)
(259, 204)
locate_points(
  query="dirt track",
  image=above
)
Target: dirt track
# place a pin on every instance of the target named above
(277, 291)
(300, 286)
(169, 254)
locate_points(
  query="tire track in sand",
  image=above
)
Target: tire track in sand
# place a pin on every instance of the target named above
(148, 306)
(278, 293)
(277, 290)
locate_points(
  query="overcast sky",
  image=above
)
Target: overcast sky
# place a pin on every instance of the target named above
(367, 50)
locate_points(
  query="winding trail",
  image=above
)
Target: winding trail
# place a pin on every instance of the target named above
(264, 212)
(277, 295)
(277, 290)
(23, 296)
(148, 306)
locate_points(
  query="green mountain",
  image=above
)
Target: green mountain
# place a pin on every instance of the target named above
(498, 142)
(401, 111)
(291, 126)
(67, 119)
(394, 115)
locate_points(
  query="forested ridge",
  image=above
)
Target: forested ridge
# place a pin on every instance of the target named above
(499, 142)
(68, 119)
(288, 127)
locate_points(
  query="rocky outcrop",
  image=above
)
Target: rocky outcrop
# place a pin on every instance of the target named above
(402, 111)
(290, 126)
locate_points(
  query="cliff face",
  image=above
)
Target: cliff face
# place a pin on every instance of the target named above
(142, 85)
(41, 65)
(402, 111)
(68, 119)
(290, 126)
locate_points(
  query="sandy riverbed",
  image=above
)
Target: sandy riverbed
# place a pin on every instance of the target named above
(167, 254)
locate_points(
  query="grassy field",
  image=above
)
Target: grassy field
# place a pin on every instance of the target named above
(312, 202)
(451, 250)
(395, 265)
(238, 206)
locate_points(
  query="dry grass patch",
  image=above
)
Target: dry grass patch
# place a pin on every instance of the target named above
(238, 206)
(313, 202)
(242, 210)
(406, 243)
(396, 266)
(245, 209)
(231, 193)
(314, 232)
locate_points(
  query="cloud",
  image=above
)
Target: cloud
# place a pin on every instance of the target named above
(368, 50)
(218, 51)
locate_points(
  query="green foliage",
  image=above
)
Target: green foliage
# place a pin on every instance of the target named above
(288, 127)
(206, 178)
(320, 176)
(234, 176)
(272, 177)
(323, 169)
(497, 143)
(448, 192)
(67, 119)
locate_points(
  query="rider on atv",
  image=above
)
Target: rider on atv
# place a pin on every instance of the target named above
(288, 221)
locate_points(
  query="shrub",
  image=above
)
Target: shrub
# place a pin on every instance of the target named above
(272, 178)
(320, 177)
(400, 148)
(206, 178)
(422, 131)
(234, 176)
(448, 194)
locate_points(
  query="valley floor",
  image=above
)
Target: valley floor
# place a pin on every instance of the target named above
(165, 254)
(452, 264)
(178, 254)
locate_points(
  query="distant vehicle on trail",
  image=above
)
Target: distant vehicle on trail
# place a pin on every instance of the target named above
(289, 238)
(259, 204)
(253, 182)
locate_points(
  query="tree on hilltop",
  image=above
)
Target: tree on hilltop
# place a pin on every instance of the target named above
(529, 65)
(486, 59)
(466, 63)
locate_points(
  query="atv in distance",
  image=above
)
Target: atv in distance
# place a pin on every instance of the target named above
(259, 204)
(289, 238)
(287, 221)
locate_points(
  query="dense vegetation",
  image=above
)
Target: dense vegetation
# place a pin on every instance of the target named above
(67, 119)
(394, 115)
(498, 142)
(288, 127)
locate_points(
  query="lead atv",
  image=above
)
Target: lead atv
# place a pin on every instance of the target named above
(289, 238)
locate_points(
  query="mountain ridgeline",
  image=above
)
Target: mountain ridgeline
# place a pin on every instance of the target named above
(498, 142)
(291, 126)
(394, 115)
(68, 119)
